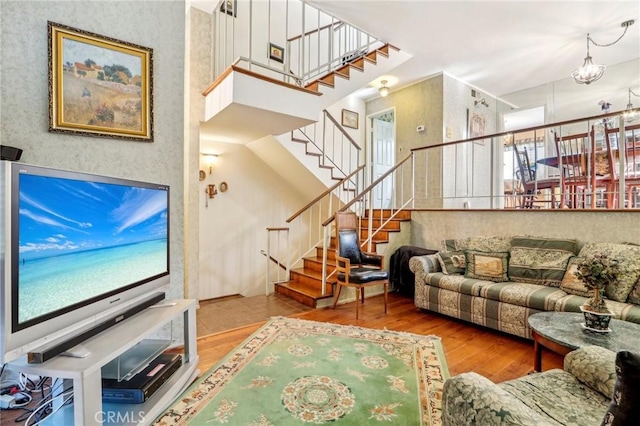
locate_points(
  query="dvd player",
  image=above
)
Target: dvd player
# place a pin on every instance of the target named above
(140, 387)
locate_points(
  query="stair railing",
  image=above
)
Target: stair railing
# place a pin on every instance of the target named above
(337, 149)
(381, 201)
(287, 246)
(328, 47)
(289, 40)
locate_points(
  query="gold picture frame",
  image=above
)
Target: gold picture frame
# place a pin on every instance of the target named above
(349, 119)
(99, 86)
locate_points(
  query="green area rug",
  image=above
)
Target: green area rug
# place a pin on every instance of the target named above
(293, 371)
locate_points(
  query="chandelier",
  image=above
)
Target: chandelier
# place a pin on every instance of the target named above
(631, 114)
(590, 72)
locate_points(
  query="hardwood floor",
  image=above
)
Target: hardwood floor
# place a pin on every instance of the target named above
(468, 347)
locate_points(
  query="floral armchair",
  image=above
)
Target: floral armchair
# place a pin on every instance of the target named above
(579, 395)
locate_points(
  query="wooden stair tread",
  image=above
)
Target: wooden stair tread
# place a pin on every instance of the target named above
(312, 274)
(344, 71)
(358, 64)
(305, 289)
(386, 213)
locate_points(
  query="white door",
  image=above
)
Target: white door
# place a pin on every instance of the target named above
(383, 158)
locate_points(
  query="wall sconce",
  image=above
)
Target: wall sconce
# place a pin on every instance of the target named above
(210, 159)
(384, 89)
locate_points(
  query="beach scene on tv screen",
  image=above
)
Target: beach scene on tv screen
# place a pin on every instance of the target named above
(79, 240)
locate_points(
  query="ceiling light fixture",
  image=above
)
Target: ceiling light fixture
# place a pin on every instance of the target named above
(384, 89)
(590, 72)
(630, 114)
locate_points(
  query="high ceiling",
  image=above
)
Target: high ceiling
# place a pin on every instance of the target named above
(499, 47)
(503, 47)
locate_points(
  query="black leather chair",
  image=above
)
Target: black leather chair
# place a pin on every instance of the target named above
(354, 267)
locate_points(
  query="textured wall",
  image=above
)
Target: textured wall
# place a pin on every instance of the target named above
(429, 228)
(418, 104)
(198, 75)
(159, 25)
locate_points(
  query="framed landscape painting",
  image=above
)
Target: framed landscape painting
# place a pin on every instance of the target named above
(349, 119)
(476, 125)
(99, 86)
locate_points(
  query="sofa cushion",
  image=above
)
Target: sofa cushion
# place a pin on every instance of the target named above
(624, 408)
(451, 262)
(594, 366)
(572, 284)
(540, 260)
(491, 243)
(540, 297)
(472, 399)
(490, 266)
(628, 257)
(560, 396)
(457, 283)
(623, 311)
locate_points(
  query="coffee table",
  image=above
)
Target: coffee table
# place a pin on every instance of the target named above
(562, 332)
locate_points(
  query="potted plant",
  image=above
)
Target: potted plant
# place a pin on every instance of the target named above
(597, 272)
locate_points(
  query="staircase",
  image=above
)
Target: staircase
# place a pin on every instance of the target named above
(305, 284)
(275, 105)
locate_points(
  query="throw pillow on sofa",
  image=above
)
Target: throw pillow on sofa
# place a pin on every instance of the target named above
(628, 257)
(488, 266)
(451, 262)
(572, 284)
(539, 260)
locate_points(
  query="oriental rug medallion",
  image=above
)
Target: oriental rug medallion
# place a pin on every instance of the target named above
(291, 372)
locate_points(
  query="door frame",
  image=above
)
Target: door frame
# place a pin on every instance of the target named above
(369, 138)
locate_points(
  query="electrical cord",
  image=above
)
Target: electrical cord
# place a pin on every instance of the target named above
(18, 394)
(46, 404)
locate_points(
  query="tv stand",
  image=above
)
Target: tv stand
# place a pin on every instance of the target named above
(84, 374)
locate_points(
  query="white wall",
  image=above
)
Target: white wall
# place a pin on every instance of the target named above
(418, 104)
(233, 226)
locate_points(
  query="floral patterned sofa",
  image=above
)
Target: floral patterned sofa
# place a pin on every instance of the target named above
(578, 395)
(498, 282)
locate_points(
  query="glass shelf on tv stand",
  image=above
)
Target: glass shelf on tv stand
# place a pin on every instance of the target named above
(135, 359)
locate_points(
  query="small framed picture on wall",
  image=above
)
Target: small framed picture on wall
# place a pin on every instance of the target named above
(276, 53)
(349, 119)
(476, 125)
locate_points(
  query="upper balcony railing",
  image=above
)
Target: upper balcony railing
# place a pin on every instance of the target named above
(585, 163)
(288, 40)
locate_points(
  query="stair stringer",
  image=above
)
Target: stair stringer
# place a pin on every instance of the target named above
(359, 78)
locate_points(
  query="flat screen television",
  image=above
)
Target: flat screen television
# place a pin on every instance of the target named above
(77, 249)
